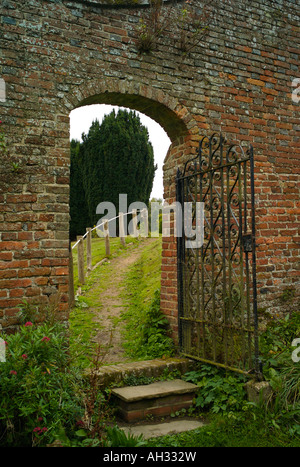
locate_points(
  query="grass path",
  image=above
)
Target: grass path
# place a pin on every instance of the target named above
(108, 315)
(97, 317)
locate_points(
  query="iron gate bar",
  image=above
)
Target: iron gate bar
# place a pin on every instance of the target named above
(258, 364)
(214, 296)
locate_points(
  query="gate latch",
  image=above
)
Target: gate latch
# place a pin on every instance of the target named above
(247, 242)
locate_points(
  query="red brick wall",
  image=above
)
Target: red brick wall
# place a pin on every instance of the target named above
(238, 80)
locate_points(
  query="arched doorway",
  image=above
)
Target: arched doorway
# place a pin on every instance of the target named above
(183, 132)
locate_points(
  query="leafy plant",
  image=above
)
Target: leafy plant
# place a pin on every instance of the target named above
(279, 335)
(28, 312)
(282, 372)
(117, 437)
(218, 391)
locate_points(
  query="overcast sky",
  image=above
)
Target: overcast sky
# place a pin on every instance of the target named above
(82, 118)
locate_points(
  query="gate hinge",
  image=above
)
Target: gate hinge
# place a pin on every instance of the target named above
(247, 242)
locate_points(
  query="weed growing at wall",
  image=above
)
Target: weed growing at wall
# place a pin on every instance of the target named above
(188, 25)
(151, 27)
(146, 331)
(192, 27)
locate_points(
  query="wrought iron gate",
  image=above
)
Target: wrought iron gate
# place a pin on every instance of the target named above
(217, 279)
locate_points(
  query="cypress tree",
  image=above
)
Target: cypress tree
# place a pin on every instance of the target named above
(116, 157)
(78, 206)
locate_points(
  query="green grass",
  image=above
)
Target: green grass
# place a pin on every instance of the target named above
(146, 330)
(222, 432)
(82, 324)
(146, 333)
(144, 277)
(98, 253)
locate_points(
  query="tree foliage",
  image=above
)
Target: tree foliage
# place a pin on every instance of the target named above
(79, 218)
(115, 157)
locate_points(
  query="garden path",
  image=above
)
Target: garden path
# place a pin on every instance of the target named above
(108, 314)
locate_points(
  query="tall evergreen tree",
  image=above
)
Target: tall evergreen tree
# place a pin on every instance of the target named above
(78, 205)
(116, 157)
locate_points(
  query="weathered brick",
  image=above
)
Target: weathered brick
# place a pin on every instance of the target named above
(239, 83)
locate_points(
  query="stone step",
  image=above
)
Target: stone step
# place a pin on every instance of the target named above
(110, 374)
(158, 399)
(154, 430)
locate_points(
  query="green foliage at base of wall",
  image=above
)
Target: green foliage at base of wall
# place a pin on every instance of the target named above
(147, 330)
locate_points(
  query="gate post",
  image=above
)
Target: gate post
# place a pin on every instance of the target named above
(179, 262)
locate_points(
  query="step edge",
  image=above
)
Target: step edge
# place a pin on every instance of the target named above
(160, 392)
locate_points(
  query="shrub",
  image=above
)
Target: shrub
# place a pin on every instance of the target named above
(38, 391)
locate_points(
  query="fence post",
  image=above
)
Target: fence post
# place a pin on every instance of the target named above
(145, 222)
(106, 234)
(134, 223)
(121, 228)
(71, 279)
(89, 249)
(80, 252)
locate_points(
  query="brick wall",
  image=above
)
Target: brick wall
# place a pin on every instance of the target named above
(56, 56)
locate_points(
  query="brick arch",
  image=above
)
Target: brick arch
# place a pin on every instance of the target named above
(166, 110)
(173, 116)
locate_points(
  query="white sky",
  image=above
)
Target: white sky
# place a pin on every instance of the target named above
(82, 118)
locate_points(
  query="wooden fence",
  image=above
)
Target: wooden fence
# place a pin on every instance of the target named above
(85, 269)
